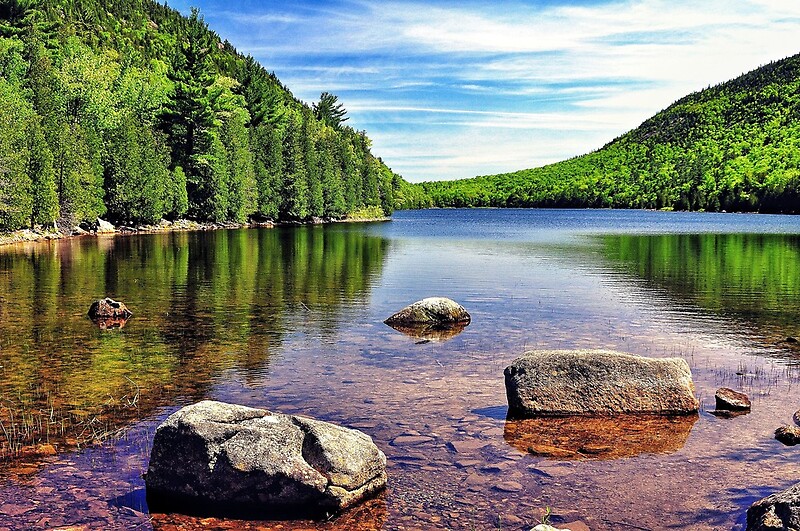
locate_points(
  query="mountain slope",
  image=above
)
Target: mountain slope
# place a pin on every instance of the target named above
(735, 147)
(129, 110)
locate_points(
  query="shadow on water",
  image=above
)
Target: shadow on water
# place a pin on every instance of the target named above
(204, 302)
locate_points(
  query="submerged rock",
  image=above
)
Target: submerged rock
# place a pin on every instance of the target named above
(431, 311)
(109, 309)
(779, 511)
(604, 437)
(226, 459)
(788, 435)
(597, 382)
(730, 400)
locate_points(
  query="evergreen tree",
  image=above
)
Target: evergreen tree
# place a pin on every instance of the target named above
(329, 111)
(189, 119)
(294, 189)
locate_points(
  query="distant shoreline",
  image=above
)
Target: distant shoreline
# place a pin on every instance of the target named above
(41, 235)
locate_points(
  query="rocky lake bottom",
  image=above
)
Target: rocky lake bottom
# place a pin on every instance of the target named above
(290, 320)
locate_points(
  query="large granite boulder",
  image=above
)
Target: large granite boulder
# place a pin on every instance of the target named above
(597, 382)
(776, 512)
(226, 459)
(109, 309)
(439, 311)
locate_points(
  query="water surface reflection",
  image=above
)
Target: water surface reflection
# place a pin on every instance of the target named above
(292, 321)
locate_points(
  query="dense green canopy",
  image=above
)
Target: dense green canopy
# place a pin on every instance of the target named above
(129, 110)
(734, 147)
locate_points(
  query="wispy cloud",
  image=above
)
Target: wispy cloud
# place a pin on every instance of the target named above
(455, 89)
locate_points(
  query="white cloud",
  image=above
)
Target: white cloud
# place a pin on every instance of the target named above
(455, 91)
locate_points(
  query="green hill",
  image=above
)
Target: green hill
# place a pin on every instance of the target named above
(734, 147)
(128, 110)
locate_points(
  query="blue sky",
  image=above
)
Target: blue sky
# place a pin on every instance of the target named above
(451, 90)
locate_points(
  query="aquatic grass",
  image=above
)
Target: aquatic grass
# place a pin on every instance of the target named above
(39, 421)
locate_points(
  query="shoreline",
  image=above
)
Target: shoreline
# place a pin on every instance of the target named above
(182, 225)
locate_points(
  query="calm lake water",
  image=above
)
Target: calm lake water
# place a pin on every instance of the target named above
(290, 319)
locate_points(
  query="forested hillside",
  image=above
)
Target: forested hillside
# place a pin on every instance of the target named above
(734, 147)
(125, 109)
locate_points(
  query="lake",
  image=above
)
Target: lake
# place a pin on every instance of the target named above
(290, 319)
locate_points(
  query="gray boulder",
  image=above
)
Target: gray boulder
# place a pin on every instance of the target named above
(228, 458)
(776, 512)
(431, 311)
(104, 226)
(597, 382)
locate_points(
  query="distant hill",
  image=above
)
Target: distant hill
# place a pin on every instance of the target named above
(734, 147)
(131, 111)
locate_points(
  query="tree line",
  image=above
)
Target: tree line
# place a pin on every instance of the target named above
(131, 111)
(732, 147)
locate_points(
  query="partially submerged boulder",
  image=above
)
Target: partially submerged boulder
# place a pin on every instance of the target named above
(439, 311)
(109, 309)
(597, 382)
(730, 400)
(779, 511)
(227, 458)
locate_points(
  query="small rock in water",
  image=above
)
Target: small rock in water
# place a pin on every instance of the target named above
(433, 310)
(796, 417)
(731, 400)
(788, 435)
(109, 308)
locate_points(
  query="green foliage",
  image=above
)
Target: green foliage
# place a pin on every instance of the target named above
(15, 183)
(735, 147)
(130, 108)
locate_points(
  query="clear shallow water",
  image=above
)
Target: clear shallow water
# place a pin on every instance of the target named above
(291, 320)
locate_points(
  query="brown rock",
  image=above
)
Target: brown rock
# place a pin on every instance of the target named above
(728, 399)
(788, 435)
(109, 309)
